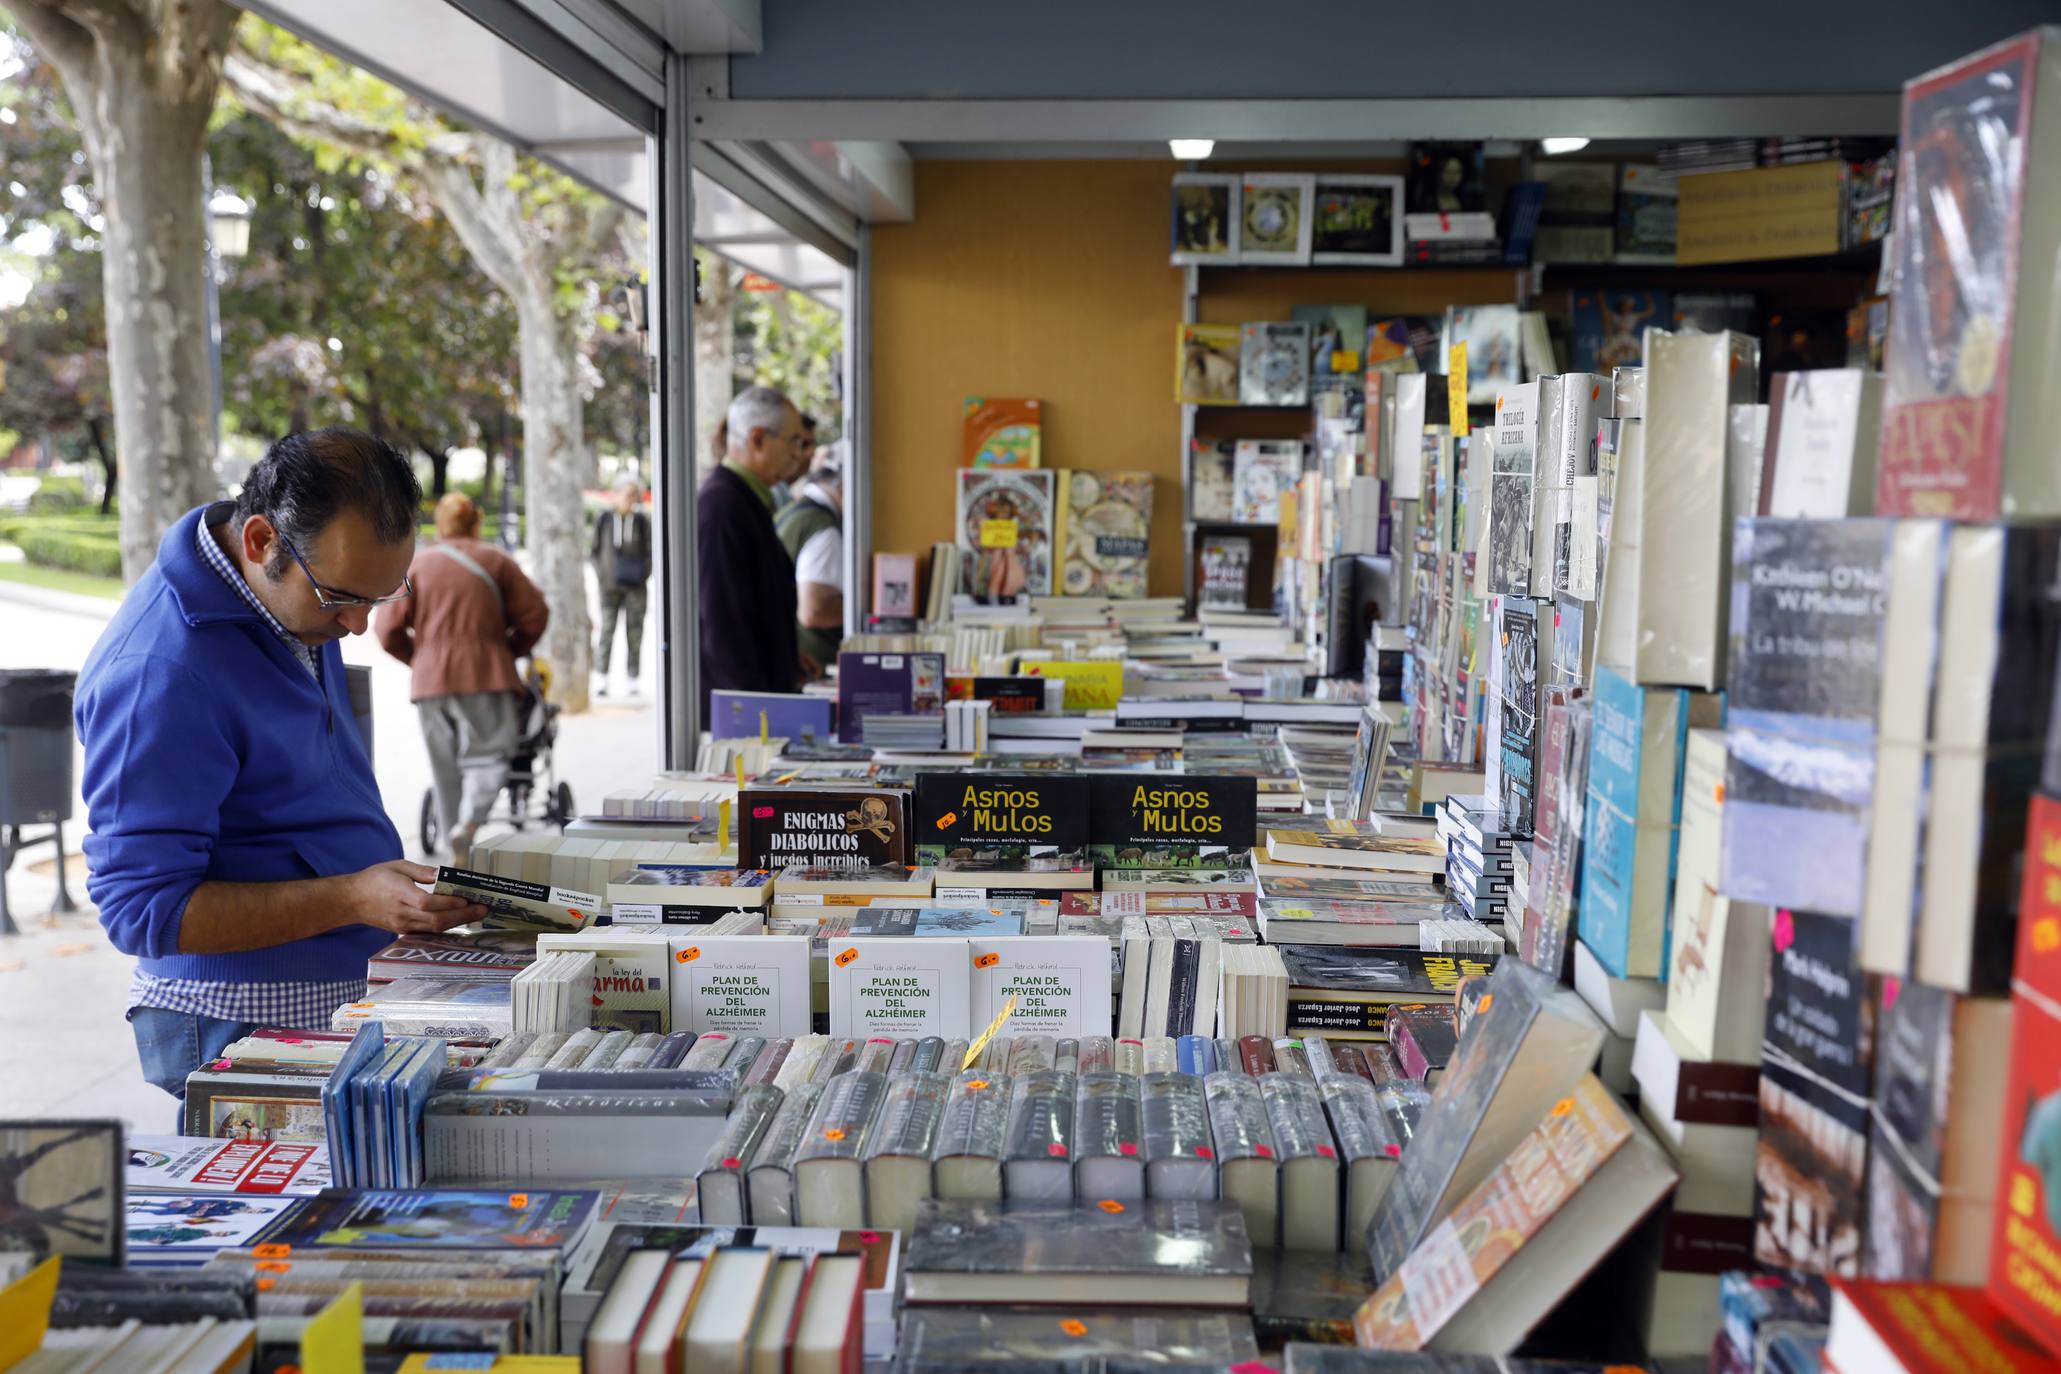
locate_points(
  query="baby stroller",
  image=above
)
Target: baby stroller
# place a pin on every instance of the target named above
(532, 790)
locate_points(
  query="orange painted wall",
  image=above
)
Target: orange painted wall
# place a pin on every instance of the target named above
(1051, 280)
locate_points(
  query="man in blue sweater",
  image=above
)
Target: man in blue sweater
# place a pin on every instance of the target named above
(238, 846)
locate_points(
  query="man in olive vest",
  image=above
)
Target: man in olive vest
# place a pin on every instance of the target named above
(811, 528)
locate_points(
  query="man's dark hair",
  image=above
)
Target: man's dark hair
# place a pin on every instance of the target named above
(808, 424)
(307, 479)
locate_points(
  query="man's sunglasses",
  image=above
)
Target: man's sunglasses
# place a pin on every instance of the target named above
(330, 599)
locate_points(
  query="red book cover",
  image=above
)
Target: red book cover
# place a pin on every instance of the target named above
(1924, 1327)
(1959, 210)
(2025, 1254)
(1256, 1052)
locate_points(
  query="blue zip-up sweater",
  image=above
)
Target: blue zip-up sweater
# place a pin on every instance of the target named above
(212, 754)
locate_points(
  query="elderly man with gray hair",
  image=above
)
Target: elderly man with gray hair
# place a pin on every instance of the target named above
(622, 564)
(747, 579)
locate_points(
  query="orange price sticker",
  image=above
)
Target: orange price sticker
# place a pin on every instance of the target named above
(689, 954)
(844, 960)
(834, 1133)
(2046, 935)
(1074, 1327)
(1487, 1000)
(944, 822)
(1563, 1106)
(976, 1085)
(265, 1285)
(986, 960)
(271, 1251)
(1110, 1205)
(518, 1200)
(272, 1266)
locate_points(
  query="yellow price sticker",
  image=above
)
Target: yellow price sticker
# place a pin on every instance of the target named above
(1456, 389)
(723, 824)
(1002, 1016)
(763, 736)
(740, 770)
(998, 534)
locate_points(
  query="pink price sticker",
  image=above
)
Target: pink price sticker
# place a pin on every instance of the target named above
(1205, 1152)
(1327, 1152)
(1263, 1151)
(1056, 1150)
(1128, 1147)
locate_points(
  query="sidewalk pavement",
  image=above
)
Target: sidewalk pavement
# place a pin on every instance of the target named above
(63, 987)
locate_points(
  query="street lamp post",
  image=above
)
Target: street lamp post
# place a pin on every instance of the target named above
(228, 237)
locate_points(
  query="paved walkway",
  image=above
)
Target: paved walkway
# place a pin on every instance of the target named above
(65, 1048)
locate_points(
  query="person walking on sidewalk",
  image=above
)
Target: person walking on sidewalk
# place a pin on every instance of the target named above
(238, 847)
(473, 614)
(622, 562)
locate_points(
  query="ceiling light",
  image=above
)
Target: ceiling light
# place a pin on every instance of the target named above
(1553, 147)
(1192, 149)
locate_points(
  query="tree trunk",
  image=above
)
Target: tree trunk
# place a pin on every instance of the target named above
(146, 154)
(715, 353)
(439, 469)
(107, 465)
(553, 488)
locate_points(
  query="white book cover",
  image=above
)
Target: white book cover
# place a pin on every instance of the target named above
(1261, 470)
(630, 966)
(1060, 982)
(741, 984)
(900, 987)
(1825, 449)
(198, 1164)
(1512, 485)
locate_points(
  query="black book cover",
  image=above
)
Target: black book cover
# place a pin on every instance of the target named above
(1389, 975)
(1130, 815)
(851, 828)
(1180, 1002)
(1914, 1050)
(1809, 602)
(1816, 1065)
(1011, 695)
(873, 921)
(1007, 815)
(1517, 622)
(1153, 1236)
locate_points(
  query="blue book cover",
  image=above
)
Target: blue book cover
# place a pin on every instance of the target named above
(1196, 1054)
(788, 715)
(366, 1049)
(1628, 836)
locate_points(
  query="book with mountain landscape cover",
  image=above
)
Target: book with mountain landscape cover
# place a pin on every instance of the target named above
(1815, 1084)
(1802, 692)
(1529, 1046)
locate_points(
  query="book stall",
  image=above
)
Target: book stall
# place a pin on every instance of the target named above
(1555, 866)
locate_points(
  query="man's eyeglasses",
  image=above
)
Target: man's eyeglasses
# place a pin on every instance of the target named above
(331, 600)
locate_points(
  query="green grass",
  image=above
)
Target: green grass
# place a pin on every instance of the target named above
(61, 580)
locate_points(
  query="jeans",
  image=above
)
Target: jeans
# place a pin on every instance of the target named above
(172, 1044)
(471, 738)
(628, 603)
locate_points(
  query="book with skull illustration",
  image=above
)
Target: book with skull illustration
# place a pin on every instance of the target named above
(61, 1185)
(1106, 520)
(850, 828)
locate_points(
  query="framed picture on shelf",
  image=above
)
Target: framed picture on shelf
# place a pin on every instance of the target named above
(1275, 214)
(1357, 221)
(1207, 363)
(1445, 179)
(1205, 212)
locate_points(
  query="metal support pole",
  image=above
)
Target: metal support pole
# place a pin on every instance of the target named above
(858, 410)
(64, 902)
(672, 426)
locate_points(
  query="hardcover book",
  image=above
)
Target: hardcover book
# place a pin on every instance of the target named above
(1938, 1110)
(1263, 469)
(1530, 1044)
(1212, 463)
(1968, 410)
(740, 984)
(899, 987)
(1037, 1149)
(1345, 992)
(849, 828)
(185, 1164)
(1014, 816)
(496, 955)
(947, 1340)
(2028, 1208)
(439, 1219)
(1137, 821)
(1816, 1067)
(1717, 948)
(1822, 440)
(1006, 534)
(1180, 1157)
(65, 1181)
(1248, 1164)
(1000, 433)
(1803, 690)
(1513, 478)
(1105, 520)
(1274, 364)
(1635, 768)
(1926, 1327)
(1108, 1137)
(1523, 663)
(1206, 221)
(1059, 984)
(886, 684)
(967, 1157)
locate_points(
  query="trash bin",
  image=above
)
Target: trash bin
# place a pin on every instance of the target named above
(359, 682)
(35, 746)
